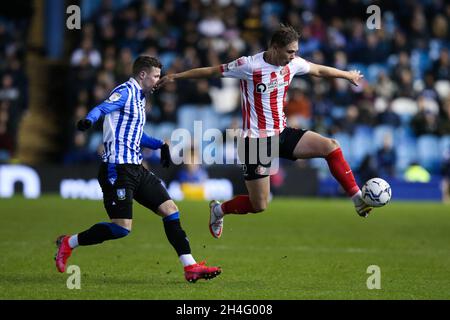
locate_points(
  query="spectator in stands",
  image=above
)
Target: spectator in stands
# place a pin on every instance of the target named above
(429, 92)
(384, 86)
(79, 153)
(386, 157)
(368, 169)
(298, 109)
(350, 121)
(403, 64)
(405, 84)
(425, 121)
(365, 103)
(441, 67)
(389, 117)
(445, 171)
(416, 173)
(444, 119)
(6, 139)
(86, 54)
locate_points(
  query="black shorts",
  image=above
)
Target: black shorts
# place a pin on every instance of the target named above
(258, 152)
(121, 183)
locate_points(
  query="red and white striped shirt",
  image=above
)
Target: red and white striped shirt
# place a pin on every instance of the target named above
(263, 90)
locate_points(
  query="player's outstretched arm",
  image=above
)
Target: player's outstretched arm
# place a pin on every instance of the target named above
(328, 72)
(116, 101)
(207, 72)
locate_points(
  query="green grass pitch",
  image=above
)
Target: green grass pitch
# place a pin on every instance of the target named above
(297, 249)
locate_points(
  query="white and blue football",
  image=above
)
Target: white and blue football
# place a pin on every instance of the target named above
(376, 192)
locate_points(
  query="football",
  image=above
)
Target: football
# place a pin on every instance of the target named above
(376, 192)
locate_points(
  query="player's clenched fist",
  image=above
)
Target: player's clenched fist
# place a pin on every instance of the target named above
(165, 155)
(84, 124)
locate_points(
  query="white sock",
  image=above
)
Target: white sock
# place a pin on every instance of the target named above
(73, 241)
(357, 197)
(187, 259)
(218, 210)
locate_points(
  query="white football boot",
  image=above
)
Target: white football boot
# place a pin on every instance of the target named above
(215, 220)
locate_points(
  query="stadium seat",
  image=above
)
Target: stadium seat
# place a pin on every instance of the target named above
(420, 62)
(338, 112)
(167, 58)
(405, 145)
(444, 145)
(404, 134)
(187, 114)
(362, 144)
(428, 152)
(95, 140)
(164, 131)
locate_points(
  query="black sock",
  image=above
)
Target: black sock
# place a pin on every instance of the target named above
(101, 232)
(177, 237)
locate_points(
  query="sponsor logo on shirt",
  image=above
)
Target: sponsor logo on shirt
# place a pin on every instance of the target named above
(273, 85)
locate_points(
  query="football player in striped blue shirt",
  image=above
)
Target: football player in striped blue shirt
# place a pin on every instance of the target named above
(122, 176)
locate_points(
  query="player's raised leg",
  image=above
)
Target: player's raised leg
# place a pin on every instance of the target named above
(313, 145)
(98, 233)
(256, 201)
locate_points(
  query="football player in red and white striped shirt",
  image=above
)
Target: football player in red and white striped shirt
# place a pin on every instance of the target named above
(264, 81)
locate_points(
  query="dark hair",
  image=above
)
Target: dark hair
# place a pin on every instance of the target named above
(285, 35)
(145, 62)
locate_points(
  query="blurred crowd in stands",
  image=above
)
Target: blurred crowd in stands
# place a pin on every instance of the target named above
(399, 115)
(13, 83)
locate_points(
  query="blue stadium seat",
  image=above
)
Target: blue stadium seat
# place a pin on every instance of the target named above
(164, 131)
(404, 134)
(428, 152)
(444, 145)
(338, 112)
(362, 144)
(271, 8)
(95, 140)
(187, 114)
(167, 58)
(406, 154)
(420, 62)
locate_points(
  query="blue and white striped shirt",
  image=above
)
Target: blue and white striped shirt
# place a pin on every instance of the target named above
(123, 126)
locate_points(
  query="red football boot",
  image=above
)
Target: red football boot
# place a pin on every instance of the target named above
(63, 253)
(199, 271)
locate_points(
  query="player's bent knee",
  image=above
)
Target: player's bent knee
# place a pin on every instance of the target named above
(331, 145)
(334, 144)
